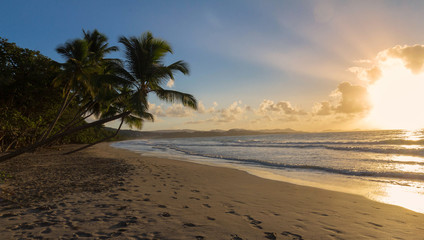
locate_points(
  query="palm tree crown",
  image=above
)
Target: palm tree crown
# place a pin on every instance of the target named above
(145, 72)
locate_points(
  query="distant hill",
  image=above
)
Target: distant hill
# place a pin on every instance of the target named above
(185, 133)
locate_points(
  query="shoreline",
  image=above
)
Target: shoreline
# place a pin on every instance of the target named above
(170, 199)
(373, 189)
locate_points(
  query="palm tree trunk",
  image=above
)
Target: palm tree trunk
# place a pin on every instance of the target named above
(65, 104)
(104, 139)
(58, 136)
(71, 124)
(58, 115)
(80, 113)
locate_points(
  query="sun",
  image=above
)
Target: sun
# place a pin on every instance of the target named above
(397, 97)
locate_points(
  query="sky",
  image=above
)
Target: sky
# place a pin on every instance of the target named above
(258, 64)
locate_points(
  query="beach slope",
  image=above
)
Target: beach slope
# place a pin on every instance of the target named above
(104, 192)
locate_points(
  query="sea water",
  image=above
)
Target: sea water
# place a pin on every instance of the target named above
(386, 166)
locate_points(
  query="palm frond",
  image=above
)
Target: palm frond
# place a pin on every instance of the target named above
(134, 121)
(180, 66)
(174, 96)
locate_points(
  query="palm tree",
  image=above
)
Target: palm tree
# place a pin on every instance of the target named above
(147, 73)
(85, 62)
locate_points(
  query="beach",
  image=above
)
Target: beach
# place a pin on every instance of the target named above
(109, 193)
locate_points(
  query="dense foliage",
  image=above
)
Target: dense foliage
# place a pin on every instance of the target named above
(29, 101)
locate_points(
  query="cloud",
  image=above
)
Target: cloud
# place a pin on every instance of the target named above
(352, 98)
(232, 113)
(413, 56)
(373, 74)
(202, 109)
(323, 108)
(282, 111)
(178, 110)
(282, 107)
(170, 83)
(370, 74)
(345, 99)
(156, 110)
(175, 110)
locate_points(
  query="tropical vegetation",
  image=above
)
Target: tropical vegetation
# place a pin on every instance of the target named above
(43, 102)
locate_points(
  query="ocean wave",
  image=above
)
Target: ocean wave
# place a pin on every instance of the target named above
(419, 151)
(336, 142)
(348, 172)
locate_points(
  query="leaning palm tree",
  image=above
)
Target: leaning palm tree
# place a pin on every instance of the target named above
(147, 73)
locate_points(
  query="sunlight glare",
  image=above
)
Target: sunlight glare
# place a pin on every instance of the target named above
(397, 97)
(401, 196)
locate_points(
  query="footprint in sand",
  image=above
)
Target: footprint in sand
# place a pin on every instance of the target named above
(332, 230)
(189, 225)
(253, 222)
(235, 237)
(47, 230)
(321, 214)
(165, 214)
(270, 235)
(83, 234)
(231, 211)
(291, 236)
(375, 224)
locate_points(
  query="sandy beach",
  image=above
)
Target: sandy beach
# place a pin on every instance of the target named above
(108, 193)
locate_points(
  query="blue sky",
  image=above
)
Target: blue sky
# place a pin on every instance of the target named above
(254, 64)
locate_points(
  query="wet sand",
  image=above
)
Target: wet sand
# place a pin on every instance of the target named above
(108, 193)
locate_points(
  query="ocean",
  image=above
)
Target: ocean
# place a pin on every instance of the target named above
(385, 166)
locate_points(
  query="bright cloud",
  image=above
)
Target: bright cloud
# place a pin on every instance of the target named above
(412, 56)
(170, 83)
(282, 107)
(353, 98)
(156, 110)
(174, 110)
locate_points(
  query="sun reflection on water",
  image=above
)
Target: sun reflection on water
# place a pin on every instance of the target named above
(408, 197)
(413, 135)
(415, 168)
(403, 158)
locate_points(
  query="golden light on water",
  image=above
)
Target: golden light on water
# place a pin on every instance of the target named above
(413, 168)
(413, 135)
(404, 158)
(397, 97)
(399, 195)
